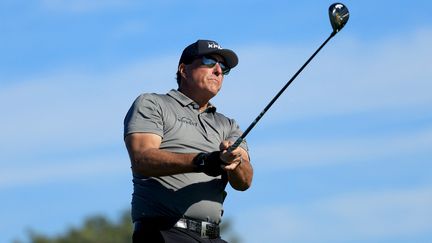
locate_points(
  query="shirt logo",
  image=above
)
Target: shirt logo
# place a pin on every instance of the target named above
(188, 121)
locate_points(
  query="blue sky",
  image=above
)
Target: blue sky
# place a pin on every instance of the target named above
(343, 156)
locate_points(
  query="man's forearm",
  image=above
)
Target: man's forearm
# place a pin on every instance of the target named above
(241, 178)
(156, 162)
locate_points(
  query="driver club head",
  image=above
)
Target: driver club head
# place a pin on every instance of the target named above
(339, 16)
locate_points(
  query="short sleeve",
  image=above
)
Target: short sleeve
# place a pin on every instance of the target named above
(145, 115)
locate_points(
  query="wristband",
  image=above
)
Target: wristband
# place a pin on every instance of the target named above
(199, 162)
(209, 163)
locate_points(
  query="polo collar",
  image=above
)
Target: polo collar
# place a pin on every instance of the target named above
(186, 101)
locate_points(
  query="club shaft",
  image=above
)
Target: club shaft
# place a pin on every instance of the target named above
(252, 125)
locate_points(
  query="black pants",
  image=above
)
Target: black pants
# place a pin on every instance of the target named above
(155, 231)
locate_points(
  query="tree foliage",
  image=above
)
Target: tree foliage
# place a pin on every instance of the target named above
(95, 229)
(99, 229)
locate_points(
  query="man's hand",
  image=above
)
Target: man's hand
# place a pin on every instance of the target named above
(218, 162)
(237, 165)
(231, 159)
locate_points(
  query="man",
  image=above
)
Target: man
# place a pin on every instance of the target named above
(177, 144)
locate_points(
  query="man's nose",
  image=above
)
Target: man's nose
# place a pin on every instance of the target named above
(217, 69)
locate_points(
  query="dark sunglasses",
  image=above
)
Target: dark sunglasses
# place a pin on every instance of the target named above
(211, 62)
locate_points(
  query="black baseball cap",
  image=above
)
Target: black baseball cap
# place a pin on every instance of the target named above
(206, 47)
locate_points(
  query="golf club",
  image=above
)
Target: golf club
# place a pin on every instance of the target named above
(339, 15)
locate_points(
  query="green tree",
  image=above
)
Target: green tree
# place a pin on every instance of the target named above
(99, 229)
(95, 229)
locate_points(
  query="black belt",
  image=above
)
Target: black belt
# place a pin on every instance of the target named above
(203, 228)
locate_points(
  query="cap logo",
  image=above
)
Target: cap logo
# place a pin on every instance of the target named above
(214, 45)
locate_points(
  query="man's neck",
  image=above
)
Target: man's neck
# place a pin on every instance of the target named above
(203, 103)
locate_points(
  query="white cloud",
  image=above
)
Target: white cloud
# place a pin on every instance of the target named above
(67, 113)
(371, 216)
(69, 108)
(345, 77)
(286, 153)
(70, 169)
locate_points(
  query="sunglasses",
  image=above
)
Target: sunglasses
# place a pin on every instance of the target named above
(211, 62)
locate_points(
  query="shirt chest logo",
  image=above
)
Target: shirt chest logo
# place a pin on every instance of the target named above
(188, 121)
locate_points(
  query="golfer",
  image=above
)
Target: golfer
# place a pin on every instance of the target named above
(177, 144)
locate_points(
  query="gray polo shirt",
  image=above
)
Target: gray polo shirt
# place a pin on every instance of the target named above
(183, 129)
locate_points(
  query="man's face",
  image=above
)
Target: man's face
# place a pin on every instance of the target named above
(203, 79)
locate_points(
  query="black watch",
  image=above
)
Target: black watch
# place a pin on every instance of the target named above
(199, 162)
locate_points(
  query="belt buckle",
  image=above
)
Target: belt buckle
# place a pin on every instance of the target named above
(204, 229)
(181, 224)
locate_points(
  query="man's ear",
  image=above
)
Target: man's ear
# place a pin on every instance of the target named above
(182, 70)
